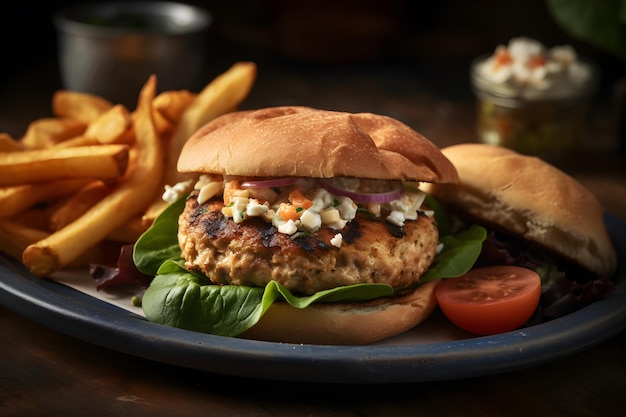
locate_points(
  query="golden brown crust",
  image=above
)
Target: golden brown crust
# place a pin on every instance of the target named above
(327, 144)
(346, 323)
(532, 199)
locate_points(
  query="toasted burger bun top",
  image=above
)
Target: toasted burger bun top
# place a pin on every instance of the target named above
(532, 199)
(346, 323)
(306, 142)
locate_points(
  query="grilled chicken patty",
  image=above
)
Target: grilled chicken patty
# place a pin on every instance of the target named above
(253, 252)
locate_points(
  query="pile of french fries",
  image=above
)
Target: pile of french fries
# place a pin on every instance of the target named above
(78, 185)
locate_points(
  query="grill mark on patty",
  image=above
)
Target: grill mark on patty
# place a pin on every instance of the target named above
(395, 230)
(212, 222)
(310, 243)
(352, 231)
(267, 236)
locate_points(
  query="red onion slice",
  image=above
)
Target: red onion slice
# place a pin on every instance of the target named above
(384, 197)
(274, 182)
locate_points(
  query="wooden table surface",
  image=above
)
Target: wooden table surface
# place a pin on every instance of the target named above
(46, 373)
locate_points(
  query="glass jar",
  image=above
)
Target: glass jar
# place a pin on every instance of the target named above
(545, 122)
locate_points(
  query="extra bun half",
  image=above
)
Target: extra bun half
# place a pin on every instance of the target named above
(530, 198)
(346, 323)
(307, 142)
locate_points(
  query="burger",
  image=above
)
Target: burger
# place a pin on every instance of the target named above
(537, 217)
(302, 225)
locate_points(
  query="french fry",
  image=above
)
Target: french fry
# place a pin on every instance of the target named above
(47, 131)
(103, 161)
(127, 137)
(167, 107)
(79, 106)
(171, 104)
(77, 141)
(77, 204)
(152, 212)
(8, 144)
(14, 200)
(220, 96)
(110, 126)
(163, 126)
(15, 237)
(129, 199)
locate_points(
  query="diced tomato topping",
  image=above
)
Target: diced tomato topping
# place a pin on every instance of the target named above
(299, 200)
(230, 190)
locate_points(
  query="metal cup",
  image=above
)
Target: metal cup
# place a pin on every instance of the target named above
(111, 48)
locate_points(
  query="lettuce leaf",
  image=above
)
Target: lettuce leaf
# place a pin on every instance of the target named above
(179, 298)
(160, 242)
(459, 251)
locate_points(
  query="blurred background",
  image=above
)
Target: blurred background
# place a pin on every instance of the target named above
(406, 59)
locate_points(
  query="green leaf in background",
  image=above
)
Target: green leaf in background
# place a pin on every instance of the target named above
(601, 23)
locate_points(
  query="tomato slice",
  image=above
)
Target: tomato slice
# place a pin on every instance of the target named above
(490, 300)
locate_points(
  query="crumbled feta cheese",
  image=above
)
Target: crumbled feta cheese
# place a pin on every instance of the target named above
(321, 200)
(337, 240)
(254, 208)
(289, 227)
(396, 217)
(173, 193)
(399, 205)
(239, 205)
(310, 221)
(347, 208)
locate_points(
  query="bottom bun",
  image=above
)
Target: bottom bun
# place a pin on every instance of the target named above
(346, 323)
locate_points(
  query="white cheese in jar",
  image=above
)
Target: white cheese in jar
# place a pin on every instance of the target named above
(525, 67)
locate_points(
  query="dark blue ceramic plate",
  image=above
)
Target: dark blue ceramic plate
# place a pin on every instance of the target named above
(410, 358)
